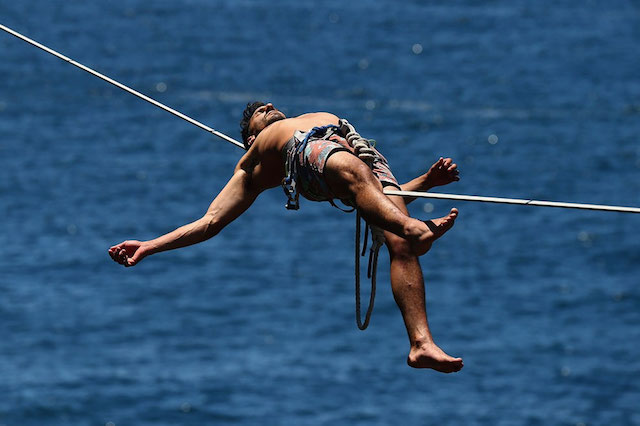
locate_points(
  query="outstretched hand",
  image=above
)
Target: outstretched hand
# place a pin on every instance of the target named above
(442, 172)
(127, 253)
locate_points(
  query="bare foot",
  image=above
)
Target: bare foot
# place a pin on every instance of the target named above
(431, 356)
(424, 234)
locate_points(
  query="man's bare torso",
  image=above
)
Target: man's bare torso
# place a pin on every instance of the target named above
(276, 135)
(264, 159)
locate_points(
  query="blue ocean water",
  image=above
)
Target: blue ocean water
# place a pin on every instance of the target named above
(256, 326)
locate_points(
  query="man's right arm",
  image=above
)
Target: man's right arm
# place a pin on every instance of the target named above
(442, 172)
(234, 199)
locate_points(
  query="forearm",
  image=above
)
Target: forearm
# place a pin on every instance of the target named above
(421, 183)
(192, 233)
(232, 201)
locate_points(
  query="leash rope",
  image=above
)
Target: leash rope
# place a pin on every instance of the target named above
(362, 148)
(377, 240)
(372, 296)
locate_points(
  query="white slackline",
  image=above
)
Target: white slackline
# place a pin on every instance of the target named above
(390, 192)
(513, 201)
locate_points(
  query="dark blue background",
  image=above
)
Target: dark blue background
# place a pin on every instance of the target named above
(257, 326)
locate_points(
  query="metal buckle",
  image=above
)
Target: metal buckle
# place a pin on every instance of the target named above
(289, 186)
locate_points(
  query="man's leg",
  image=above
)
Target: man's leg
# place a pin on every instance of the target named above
(349, 178)
(407, 284)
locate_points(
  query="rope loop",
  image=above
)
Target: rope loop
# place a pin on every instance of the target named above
(373, 260)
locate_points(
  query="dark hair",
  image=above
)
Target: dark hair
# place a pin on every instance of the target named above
(246, 116)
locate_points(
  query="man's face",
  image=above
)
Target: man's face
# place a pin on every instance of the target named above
(262, 117)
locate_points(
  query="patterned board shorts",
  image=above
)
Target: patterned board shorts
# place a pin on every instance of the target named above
(311, 162)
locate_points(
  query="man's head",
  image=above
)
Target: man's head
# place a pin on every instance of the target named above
(255, 117)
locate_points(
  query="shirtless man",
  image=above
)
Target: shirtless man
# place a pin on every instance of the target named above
(326, 165)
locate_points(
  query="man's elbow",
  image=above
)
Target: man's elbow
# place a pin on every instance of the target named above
(210, 226)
